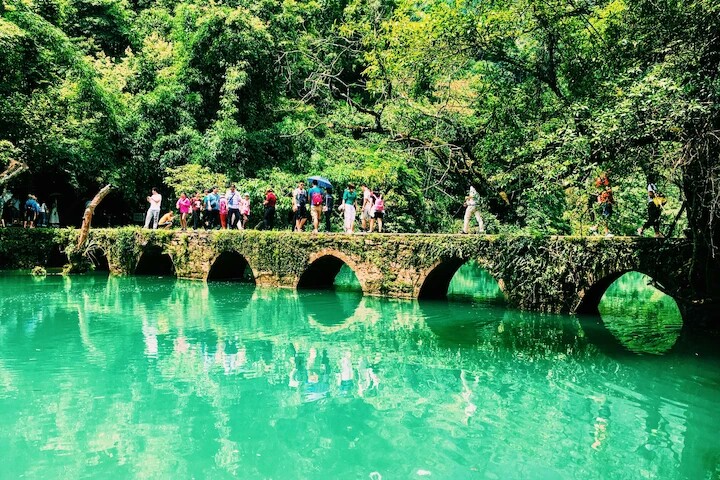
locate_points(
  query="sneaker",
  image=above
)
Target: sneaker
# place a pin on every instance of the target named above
(609, 235)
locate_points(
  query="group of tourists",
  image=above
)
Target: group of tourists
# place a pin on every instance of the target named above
(314, 207)
(211, 210)
(30, 214)
(603, 196)
(231, 210)
(319, 202)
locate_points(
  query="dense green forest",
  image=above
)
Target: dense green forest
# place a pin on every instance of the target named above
(527, 100)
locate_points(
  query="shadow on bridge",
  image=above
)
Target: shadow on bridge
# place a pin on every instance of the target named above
(231, 266)
(154, 261)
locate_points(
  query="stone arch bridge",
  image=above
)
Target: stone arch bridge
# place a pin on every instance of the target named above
(552, 274)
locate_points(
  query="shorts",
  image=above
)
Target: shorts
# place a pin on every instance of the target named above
(366, 214)
(607, 210)
(316, 212)
(379, 215)
(301, 212)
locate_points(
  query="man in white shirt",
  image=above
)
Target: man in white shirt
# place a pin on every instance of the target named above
(153, 212)
(233, 203)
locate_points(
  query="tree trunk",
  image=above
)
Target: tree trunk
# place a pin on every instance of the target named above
(671, 230)
(701, 185)
(87, 217)
(14, 169)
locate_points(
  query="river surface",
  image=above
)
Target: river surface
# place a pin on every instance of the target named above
(156, 378)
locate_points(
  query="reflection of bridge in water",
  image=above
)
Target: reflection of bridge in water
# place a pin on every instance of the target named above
(224, 347)
(555, 274)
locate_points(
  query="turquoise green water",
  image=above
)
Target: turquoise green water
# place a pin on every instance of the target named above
(156, 378)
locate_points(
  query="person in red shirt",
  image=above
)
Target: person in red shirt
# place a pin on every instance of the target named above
(269, 215)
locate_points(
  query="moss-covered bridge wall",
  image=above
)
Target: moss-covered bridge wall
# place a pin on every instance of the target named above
(554, 274)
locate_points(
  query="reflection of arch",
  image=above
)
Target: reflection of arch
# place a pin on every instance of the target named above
(330, 312)
(435, 281)
(231, 266)
(154, 261)
(324, 267)
(590, 297)
(98, 259)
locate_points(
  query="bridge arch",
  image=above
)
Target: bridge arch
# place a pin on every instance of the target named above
(323, 267)
(434, 282)
(154, 261)
(98, 257)
(231, 266)
(590, 296)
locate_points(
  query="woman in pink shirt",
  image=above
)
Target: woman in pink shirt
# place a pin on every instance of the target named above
(183, 205)
(245, 209)
(223, 211)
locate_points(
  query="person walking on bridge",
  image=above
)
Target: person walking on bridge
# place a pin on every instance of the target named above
(471, 209)
(655, 201)
(269, 213)
(606, 200)
(153, 213)
(300, 200)
(233, 203)
(328, 208)
(183, 205)
(366, 208)
(348, 207)
(316, 205)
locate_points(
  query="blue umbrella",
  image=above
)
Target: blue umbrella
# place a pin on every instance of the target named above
(322, 182)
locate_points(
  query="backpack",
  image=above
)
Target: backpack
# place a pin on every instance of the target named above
(379, 204)
(317, 198)
(301, 198)
(659, 199)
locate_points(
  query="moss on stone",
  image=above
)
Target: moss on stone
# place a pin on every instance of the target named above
(539, 273)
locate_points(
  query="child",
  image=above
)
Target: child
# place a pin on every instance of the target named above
(244, 210)
(223, 211)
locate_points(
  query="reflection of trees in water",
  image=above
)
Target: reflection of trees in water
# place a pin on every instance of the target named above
(229, 351)
(346, 280)
(472, 282)
(641, 317)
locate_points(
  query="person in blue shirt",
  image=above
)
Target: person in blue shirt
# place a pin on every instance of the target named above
(32, 209)
(211, 203)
